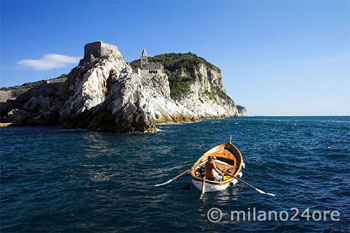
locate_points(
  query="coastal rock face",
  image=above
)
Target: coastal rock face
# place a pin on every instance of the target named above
(11, 94)
(242, 111)
(207, 96)
(104, 93)
(131, 104)
(87, 84)
(39, 105)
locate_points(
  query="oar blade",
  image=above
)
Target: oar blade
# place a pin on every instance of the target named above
(157, 185)
(271, 194)
(262, 192)
(203, 189)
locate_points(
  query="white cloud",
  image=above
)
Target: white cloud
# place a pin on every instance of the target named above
(49, 62)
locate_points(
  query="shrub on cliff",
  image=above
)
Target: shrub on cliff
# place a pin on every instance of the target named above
(174, 62)
(23, 86)
(30, 84)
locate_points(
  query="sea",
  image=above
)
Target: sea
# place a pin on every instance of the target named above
(69, 180)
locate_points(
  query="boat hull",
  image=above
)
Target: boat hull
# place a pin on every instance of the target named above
(209, 187)
(229, 159)
(212, 187)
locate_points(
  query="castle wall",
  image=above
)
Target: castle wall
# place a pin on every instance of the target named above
(99, 49)
(108, 50)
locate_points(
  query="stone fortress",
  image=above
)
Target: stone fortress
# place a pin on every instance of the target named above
(100, 49)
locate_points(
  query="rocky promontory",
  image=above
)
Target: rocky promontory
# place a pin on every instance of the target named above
(105, 93)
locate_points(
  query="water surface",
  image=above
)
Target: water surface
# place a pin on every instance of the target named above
(55, 179)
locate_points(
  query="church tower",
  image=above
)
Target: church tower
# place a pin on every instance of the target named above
(144, 58)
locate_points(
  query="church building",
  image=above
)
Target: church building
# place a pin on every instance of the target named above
(149, 69)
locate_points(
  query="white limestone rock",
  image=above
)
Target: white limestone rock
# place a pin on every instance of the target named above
(103, 92)
(106, 94)
(202, 100)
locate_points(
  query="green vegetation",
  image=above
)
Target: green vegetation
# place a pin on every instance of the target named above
(30, 84)
(179, 86)
(200, 99)
(23, 86)
(200, 77)
(210, 95)
(223, 95)
(135, 64)
(175, 62)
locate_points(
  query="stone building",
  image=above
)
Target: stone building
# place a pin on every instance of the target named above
(149, 69)
(99, 49)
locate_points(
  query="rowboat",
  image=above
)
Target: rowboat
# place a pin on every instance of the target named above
(229, 160)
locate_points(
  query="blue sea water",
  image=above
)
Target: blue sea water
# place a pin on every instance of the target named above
(60, 180)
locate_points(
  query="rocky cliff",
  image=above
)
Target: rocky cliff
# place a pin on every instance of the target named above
(196, 85)
(105, 93)
(242, 111)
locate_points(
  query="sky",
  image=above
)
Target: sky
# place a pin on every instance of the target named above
(278, 58)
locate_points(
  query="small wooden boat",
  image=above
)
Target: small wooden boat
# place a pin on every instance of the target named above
(229, 160)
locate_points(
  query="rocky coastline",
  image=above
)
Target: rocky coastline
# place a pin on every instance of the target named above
(106, 93)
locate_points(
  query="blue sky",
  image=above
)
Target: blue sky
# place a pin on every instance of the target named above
(277, 57)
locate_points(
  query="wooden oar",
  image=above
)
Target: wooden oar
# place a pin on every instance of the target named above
(172, 178)
(259, 190)
(203, 188)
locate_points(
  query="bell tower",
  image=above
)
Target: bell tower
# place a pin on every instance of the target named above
(144, 58)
